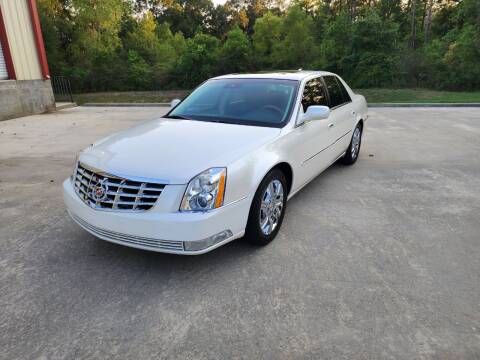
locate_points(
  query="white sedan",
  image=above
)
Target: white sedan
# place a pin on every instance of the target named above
(220, 165)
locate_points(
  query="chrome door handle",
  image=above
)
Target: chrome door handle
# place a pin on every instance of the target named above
(331, 125)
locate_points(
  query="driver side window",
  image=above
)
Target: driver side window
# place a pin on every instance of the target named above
(314, 94)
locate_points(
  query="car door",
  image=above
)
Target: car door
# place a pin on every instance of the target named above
(313, 139)
(341, 114)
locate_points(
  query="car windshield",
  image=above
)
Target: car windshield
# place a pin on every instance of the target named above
(260, 102)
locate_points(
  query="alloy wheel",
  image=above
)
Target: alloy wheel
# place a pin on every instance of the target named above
(357, 134)
(271, 207)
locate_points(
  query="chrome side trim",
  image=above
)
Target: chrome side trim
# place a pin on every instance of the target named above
(318, 153)
(292, 194)
(311, 157)
(338, 158)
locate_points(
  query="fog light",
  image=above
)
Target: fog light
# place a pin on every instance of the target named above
(206, 243)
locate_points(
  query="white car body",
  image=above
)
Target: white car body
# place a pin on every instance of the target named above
(171, 152)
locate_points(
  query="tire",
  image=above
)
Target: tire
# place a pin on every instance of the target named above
(353, 150)
(255, 233)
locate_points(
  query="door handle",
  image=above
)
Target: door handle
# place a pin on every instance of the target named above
(353, 112)
(331, 125)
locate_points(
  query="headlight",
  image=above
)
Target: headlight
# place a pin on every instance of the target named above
(205, 191)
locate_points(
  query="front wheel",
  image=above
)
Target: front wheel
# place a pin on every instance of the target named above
(268, 209)
(353, 150)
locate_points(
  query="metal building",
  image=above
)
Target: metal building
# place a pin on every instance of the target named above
(25, 86)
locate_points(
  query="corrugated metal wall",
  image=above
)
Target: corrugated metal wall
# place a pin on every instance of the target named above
(3, 66)
(20, 37)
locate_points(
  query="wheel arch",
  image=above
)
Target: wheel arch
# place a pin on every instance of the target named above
(287, 170)
(252, 230)
(361, 123)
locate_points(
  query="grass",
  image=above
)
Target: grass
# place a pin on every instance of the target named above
(372, 96)
(418, 96)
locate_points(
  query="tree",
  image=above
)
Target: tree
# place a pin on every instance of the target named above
(248, 11)
(220, 22)
(199, 60)
(336, 48)
(374, 49)
(54, 20)
(266, 39)
(94, 43)
(145, 44)
(139, 72)
(156, 45)
(451, 61)
(186, 16)
(144, 41)
(297, 48)
(235, 54)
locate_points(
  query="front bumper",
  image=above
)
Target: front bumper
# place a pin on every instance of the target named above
(161, 229)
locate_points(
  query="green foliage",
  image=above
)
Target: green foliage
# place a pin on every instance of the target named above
(186, 16)
(50, 18)
(297, 48)
(198, 61)
(266, 40)
(97, 24)
(374, 46)
(235, 54)
(452, 61)
(337, 44)
(220, 22)
(139, 73)
(285, 42)
(160, 44)
(143, 39)
(462, 60)
(156, 46)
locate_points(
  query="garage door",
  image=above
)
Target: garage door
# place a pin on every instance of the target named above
(3, 66)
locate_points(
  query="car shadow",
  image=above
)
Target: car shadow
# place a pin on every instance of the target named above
(161, 261)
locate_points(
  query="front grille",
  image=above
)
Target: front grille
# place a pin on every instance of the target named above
(130, 240)
(109, 192)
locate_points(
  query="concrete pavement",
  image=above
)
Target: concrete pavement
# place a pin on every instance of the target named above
(379, 260)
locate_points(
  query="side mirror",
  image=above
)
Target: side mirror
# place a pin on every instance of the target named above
(315, 112)
(174, 103)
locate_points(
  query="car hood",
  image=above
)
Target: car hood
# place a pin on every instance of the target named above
(173, 151)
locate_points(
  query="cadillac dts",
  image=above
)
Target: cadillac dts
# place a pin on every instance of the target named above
(220, 165)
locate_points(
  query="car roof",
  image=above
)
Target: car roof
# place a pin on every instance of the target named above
(279, 74)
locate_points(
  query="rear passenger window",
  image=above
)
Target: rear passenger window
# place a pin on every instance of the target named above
(314, 94)
(335, 91)
(346, 96)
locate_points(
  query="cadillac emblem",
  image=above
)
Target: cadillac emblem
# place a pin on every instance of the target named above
(100, 190)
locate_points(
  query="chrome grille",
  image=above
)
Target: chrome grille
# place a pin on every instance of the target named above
(109, 192)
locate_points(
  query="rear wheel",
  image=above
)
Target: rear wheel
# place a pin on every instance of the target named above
(268, 209)
(353, 150)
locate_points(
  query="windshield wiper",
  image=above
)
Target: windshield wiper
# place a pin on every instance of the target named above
(178, 117)
(215, 120)
(232, 122)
